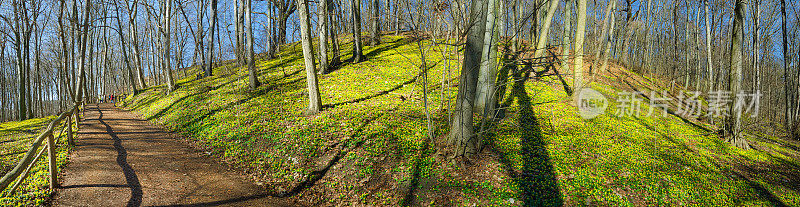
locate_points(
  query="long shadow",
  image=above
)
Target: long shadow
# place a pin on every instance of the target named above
(537, 179)
(131, 179)
(95, 186)
(343, 148)
(310, 179)
(409, 81)
(250, 96)
(165, 109)
(756, 186)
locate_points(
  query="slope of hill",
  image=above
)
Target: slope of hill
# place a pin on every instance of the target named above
(369, 145)
(15, 139)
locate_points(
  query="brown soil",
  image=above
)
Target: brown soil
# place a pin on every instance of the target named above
(121, 160)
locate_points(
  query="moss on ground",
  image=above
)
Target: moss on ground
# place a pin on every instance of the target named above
(542, 152)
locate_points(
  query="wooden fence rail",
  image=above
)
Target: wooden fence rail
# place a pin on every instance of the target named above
(26, 163)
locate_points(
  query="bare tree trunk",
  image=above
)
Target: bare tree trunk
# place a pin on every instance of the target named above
(580, 31)
(606, 34)
(488, 70)
(733, 122)
(251, 65)
(79, 87)
(323, 29)
(710, 65)
(165, 31)
(239, 48)
(199, 47)
(607, 37)
(209, 63)
(565, 47)
(358, 55)
(376, 23)
(462, 136)
(314, 99)
(124, 49)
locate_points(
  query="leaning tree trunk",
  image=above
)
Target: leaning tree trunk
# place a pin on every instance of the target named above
(314, 100)
(541, 41)
(733, 122)
(462, 136)
(609, 19)
(607, 38)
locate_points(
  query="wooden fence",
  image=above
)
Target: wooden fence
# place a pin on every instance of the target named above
(22, 169)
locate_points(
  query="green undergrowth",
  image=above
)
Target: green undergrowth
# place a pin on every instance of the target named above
(15, 140)
(541, 153)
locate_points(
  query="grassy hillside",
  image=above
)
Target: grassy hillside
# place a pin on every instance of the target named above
(15, 140)
(369, 145)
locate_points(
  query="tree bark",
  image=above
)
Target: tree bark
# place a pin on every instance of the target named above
(314, 99)
(376, 23)
(209, 63)
(565, 48)
(251, 65)
(358, 55)
(462, 136)
(733, 122)
(488, 70)
(165, 31)
(323, 29)
(580, 31)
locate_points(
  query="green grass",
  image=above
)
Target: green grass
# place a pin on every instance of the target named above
(15, 140)
(542, 152)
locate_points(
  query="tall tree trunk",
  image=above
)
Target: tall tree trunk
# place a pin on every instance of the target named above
(209, 63)
(462, 136)
(314, 99)
(167, 66)
(323, 29)
(376, 23)
(608, 19)
(199, 47)
(488, 70)
(580, 31)
(84, 41)
(565, 48)
(608, 37)
(336, 59)
(733, 122)
(710, 65)
(541, 41)
(358, 55)
(251, 65)
(124, 49)
(239, 48)
(789, 116)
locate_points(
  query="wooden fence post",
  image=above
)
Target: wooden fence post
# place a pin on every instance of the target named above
(70, 141)
(51, 159)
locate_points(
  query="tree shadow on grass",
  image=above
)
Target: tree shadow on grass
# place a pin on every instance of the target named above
(742, 173)
(252, 94)
(537, 178)
(409, 81)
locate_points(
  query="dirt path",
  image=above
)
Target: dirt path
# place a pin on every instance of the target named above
(120, 160)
